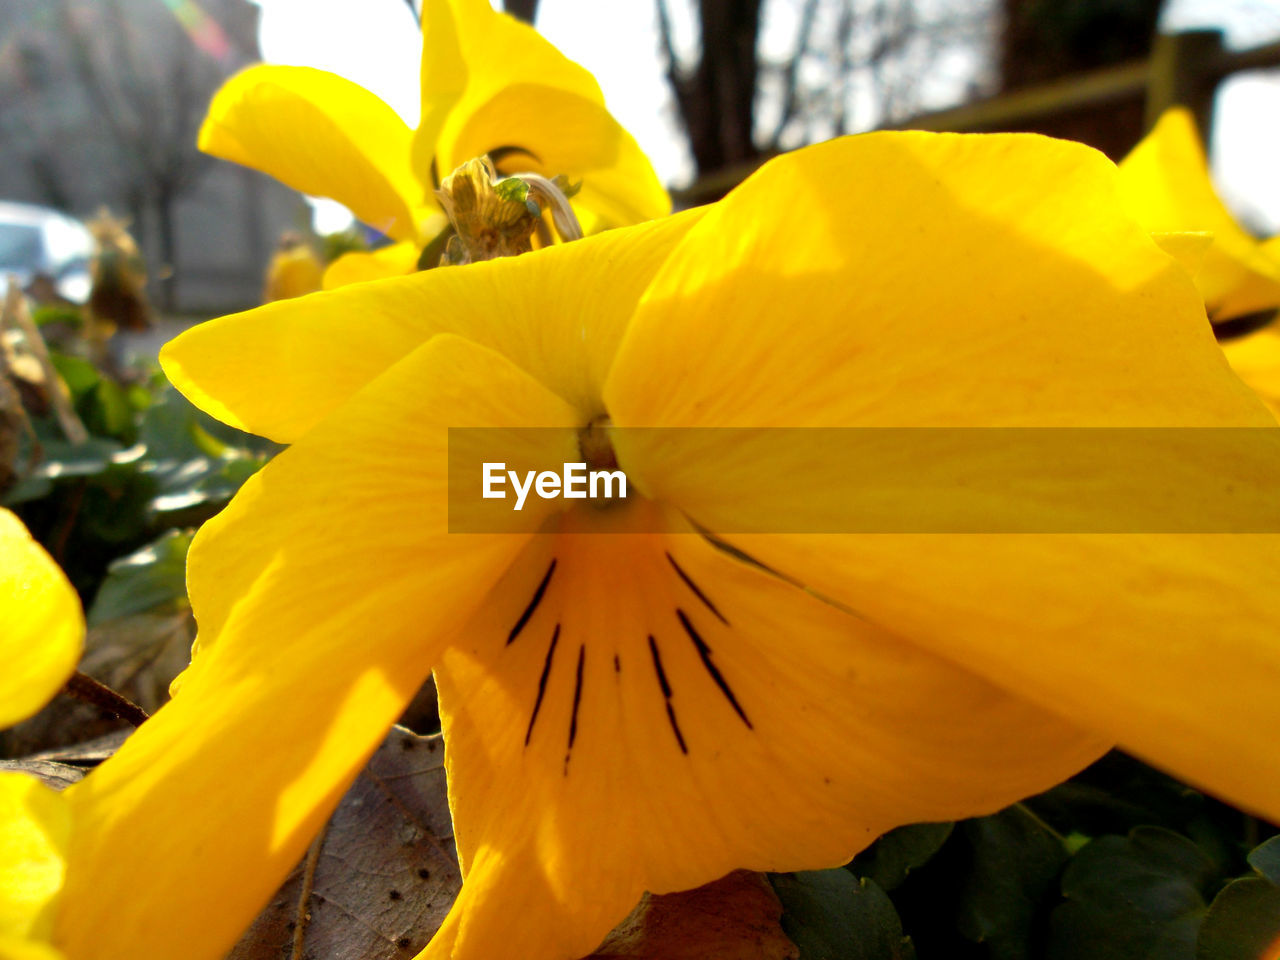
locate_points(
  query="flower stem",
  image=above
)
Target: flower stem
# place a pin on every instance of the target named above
(88, 690)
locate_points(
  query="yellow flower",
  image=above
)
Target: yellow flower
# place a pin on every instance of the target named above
(43, 629)
(490, 85)
(1166, 186)
(646, 710)
(294, 270)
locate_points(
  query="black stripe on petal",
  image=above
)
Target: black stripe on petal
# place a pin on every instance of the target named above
(542, 683)
(533, 604)
(666, 694)
(577, 696)
(688, 581)
(705, 653)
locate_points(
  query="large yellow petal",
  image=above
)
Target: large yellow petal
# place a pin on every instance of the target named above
(394, 260)
(559, 132)
(43, 624)
(522, 93)
(28, 950)
(322, 135)
(918, 280)
(557, 313)
(662, 714)
(915, 279)
(34, 828)
(501, 51)
(442, 78)
(323, 594)
(1256, 359)
(1166, 186)
(471, 50)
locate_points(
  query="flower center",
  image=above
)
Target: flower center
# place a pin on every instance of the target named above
(500, 216)
(596, 450)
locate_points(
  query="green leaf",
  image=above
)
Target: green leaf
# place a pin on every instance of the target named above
(1265, 858)
(57, 313)
(1014, 865)
(107, 411)
(898, 852)
(833, 915)
(1243, 923)
(28, 488)
(63, 459)
(1140, 897)
(78, 374)
(147, 579)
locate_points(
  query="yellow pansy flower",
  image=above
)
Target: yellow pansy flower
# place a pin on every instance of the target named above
(490, 85)
(294, 271)
(41, 632)
(43, 625)
(1166, 185)
(1254, 352)
(627, 705)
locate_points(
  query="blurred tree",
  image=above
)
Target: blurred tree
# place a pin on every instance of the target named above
(1045, 40)
(716, 94)
(850, 65)
(149, 97)
(102, 102)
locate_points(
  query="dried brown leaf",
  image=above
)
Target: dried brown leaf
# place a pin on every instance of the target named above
(735, 918)
(386, 873)
(56, 775)
(139, 655)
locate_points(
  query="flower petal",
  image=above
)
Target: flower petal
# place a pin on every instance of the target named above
(322, 135)
(34, 827)
(667, 713)
(394, 260)
(942, 280)
(522, 94)
(559, 132)
(985, 282)
(1256, 358)
(470, 54)
(43, 624)
(442, 78)
(1166, 186)
(1165, 644)
(323, 593)
(557, 313)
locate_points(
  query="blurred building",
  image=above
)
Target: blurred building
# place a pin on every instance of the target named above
(102, 101)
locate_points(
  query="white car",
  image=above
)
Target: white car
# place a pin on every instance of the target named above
(37, 240)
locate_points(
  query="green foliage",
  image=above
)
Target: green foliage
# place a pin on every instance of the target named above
(1265, 858)
(152, 466)
(1130, 897)
(890, 859)
(52, 313)
(334, 245)
(833, 915)
(1118, 863)
(153, 578)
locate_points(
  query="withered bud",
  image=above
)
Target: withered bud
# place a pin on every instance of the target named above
(499, 217)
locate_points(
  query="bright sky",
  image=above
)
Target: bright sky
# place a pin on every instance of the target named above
(375, 43)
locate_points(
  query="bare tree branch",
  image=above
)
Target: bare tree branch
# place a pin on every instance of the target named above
(790, 77)
(526, 10)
